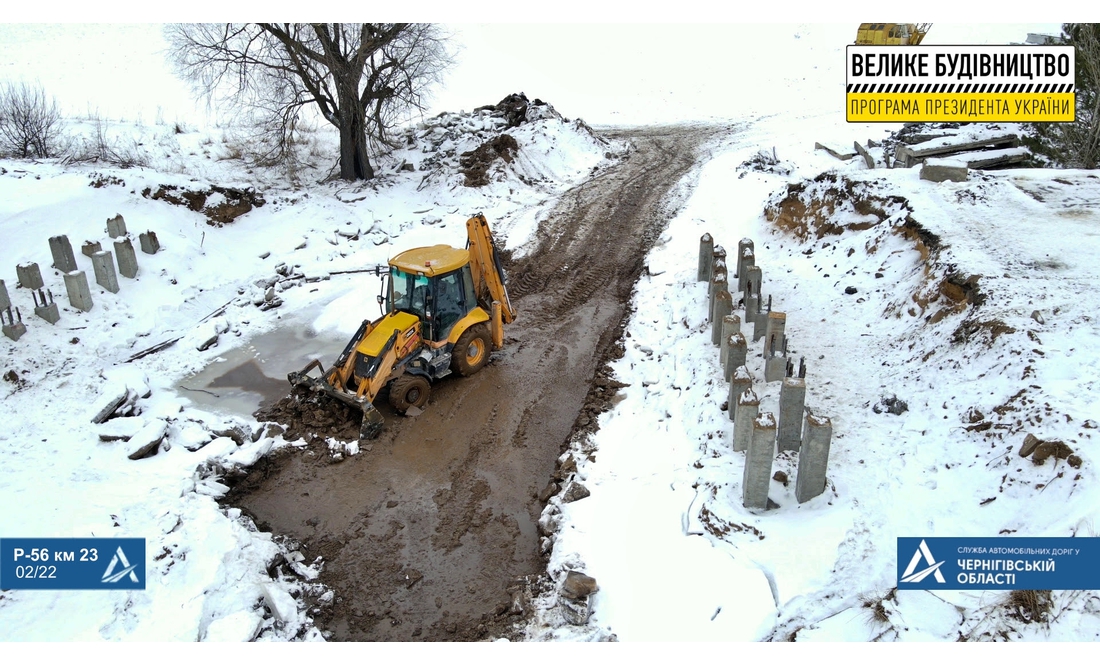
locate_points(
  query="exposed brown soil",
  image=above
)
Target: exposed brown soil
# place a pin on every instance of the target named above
(806, 212)
(431, 533)
(313, 417)
(234, 203)
(475, 163)
(802, 216)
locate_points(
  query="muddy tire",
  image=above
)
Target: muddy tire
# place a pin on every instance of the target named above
(471, 351)
(409, 390)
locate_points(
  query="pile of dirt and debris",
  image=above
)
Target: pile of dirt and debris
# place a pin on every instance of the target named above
(313, 417)
(516, 109)
(475, 163)
(221, 205)
(469, 144)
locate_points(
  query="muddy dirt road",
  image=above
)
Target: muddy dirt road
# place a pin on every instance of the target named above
(425, 534)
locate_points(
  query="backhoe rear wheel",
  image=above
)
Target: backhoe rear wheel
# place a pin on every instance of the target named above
(471, 351)
(409, 390)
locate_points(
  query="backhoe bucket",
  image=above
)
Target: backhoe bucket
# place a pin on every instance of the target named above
(371, 425)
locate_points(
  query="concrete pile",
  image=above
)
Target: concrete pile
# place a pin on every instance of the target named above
(761, 434)
(76, 280)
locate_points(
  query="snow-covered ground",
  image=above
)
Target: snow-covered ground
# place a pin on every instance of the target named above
(666, 569)
(664, 532)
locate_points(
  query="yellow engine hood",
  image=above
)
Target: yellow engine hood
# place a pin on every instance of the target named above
(406, 324)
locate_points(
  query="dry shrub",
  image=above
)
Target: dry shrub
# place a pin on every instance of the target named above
(1030, 605)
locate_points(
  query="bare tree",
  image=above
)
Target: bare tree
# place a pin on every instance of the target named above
(360, 77)
(30, 123)
(1077, 144)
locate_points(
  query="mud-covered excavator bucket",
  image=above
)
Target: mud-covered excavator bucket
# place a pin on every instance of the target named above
(372, 422)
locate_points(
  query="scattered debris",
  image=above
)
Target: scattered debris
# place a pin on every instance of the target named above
(867, 158)
(766, 161)
(146, 442)
(892, 405)
(907, 155)
(971, 328)
(842, 155)
(550, 490)
(1028, 446)
(578, 585)
(1056, 449)
(944, 170)
(575, 492)
(574, 597)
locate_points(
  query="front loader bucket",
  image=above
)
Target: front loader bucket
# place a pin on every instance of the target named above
(371, 425)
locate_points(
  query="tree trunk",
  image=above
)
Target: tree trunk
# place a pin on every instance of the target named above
(354, 161)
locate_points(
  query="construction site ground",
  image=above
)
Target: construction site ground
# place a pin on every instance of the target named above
(430, 532)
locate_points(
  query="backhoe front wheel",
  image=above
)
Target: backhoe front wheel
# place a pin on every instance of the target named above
(409, 390)
(471, 351)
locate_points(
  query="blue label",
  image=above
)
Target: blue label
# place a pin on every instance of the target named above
(72, 563)
(998, 563)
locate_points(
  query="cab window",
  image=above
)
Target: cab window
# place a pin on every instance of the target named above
(408, 293)
(450, 302)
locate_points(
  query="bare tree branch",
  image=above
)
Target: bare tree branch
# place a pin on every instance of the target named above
(30, 123)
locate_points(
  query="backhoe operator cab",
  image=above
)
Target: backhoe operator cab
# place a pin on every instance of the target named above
(434, 284)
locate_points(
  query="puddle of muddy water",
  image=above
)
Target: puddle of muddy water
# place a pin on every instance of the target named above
(241, 380)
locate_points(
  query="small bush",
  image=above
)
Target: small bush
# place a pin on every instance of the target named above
(30, 122)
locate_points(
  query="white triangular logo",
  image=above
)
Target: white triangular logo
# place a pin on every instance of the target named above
(932, 569)
(118, 559)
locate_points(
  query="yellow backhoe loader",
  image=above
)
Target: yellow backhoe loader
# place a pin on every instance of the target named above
(445, 309)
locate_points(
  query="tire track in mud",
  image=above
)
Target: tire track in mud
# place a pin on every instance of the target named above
(435, 525)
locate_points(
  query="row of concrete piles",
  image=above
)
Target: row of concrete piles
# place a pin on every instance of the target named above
(760, 435)
(76, 281)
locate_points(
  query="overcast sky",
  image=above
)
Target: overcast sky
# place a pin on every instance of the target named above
(605, 73)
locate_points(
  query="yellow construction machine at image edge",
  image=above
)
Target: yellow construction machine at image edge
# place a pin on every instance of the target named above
(891, 34)
(445, 309)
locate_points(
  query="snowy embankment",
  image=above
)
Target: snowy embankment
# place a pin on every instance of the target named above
(973, 302)
(211, 287)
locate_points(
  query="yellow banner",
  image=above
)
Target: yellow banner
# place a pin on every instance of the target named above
(960, 107)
